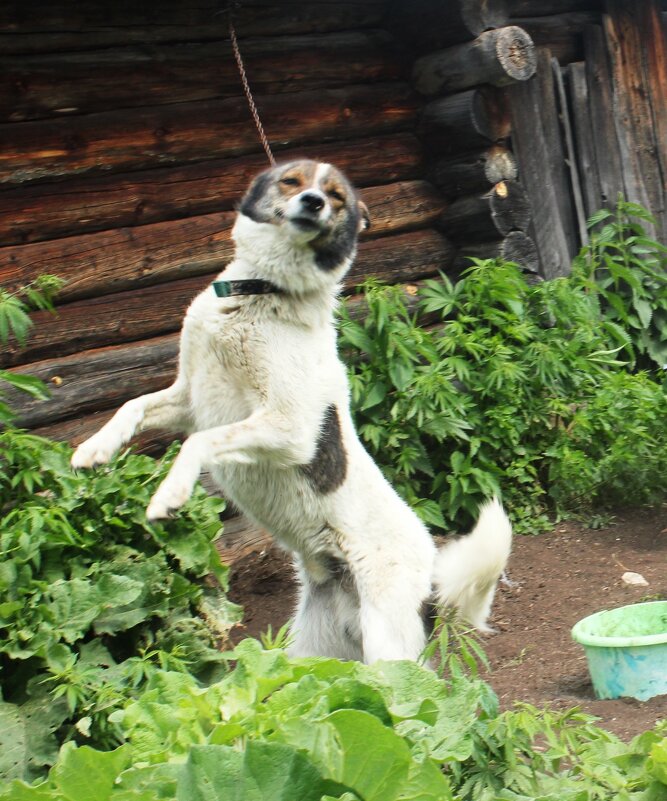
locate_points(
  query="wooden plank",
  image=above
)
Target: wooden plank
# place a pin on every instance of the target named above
(42, 26)
(626, 41)
(655, 55)
(150, 311)
(563, 34)
(190, 132)
(571, 156)
(537, 142)
(600, 104)
(51, 210)
(589, 174)
(131, 258)
(68, 84)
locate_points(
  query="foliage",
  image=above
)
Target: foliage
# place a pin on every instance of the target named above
(627, 272)
(510, 380)
(15, 323)
(93, 598)
(321, 729)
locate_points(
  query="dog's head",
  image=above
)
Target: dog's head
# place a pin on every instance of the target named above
(315, 207)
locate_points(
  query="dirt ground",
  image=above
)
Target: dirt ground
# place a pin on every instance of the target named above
(557, 578)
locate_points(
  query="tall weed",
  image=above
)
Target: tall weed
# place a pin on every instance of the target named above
(498, 394)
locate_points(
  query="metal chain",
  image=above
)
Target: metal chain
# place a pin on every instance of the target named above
(248, 93)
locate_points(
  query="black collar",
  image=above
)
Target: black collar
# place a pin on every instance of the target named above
(248, 286)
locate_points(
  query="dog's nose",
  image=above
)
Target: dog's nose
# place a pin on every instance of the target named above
(311, 201)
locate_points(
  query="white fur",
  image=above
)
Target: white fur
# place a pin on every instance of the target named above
(256, 374)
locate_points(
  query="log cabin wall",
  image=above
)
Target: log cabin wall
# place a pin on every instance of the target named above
(126, 142)
(527, 144)
(472, 127)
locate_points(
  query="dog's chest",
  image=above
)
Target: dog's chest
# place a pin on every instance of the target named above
(224, 355)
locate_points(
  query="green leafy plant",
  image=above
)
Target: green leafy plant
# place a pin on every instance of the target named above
(15, 323)
(319, 729)
(93, 598)
(627, 272)
(507, 381)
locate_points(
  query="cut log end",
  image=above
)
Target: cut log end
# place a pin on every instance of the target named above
(516, 53)
(516, 247)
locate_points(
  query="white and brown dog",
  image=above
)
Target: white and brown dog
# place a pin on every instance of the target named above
(264, 399)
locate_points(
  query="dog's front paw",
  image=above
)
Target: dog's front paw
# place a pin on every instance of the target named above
(94, 451)
(168, 499)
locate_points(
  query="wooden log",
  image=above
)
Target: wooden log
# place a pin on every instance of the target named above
(469, 173)
(562, 34)
(45, 27)
(537, 143)
(190, 132)
(486, 217)
(589, 175)
(497, 57)
(128, 258)
(548, 8)
(466, 121)
(46, 211)
(75, 431)
(96, 380)
(430, 24)
(403, 206)
(517, 247)
(627, 33)
(600, 105)
(131, 258)
(67, 84)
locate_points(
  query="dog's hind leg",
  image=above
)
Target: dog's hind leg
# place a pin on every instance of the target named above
(392, 628)
(167, 409)
(327, 620)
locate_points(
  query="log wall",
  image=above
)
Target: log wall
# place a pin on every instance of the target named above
(473, 128)
(126, 141)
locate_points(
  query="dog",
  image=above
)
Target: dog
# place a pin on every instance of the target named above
(265, 402)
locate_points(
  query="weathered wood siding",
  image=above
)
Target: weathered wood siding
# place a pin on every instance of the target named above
(126, 141)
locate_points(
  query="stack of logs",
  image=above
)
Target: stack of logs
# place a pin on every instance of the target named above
(126, 142)
(467, 54)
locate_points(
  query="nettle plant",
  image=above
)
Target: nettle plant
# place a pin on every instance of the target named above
(15, 322)
(627, 272)
(513, 387)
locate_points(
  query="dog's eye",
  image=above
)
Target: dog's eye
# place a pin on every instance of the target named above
(336, 195)
(290, 181)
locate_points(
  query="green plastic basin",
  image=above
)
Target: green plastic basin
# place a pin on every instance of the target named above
(626, 649)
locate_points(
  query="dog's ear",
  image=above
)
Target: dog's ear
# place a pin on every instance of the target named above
(251, 202)
(364, 217)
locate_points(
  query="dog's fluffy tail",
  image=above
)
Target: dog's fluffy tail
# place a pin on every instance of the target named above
(467, 569)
